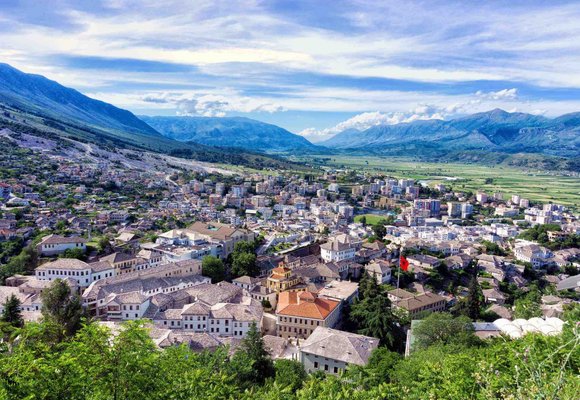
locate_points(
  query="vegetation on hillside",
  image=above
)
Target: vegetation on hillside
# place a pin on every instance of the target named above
(93, 364)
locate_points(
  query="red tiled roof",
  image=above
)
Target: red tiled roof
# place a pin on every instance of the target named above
(289, 304)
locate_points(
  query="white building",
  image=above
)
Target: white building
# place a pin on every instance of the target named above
(339, 248)
(80, 271)
(332, 351)
(53, 245)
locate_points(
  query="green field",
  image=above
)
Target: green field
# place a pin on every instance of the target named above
(372, 219)
(534, 185)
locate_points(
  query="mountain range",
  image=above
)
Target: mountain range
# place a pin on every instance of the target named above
(491, 131)
(34, 103)
(231, 132)
(38, 94)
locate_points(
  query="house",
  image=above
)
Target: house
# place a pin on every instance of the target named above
(424, 261)
(53, 245)
(64, 268)
(282, 278)
(246, 282)
(222, 319)
(459, 261)
(339, 248)
(533, 254)
(493, 296)
(415, 304)
(332, 351)
(224, 235)
(371, 251)
(380, 270)
(343, 291)
(299, 313)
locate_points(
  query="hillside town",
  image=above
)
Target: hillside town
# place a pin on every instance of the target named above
(203, 257)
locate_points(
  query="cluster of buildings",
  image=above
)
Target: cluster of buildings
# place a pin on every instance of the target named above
(312, 251)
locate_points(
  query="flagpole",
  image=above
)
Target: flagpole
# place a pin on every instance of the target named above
(399, 268)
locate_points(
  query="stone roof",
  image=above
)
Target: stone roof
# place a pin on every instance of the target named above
(339, 345)
(212, 294)
(65, 263)
(422, 300)
(379, 266)
(214, 230)
(57, 239)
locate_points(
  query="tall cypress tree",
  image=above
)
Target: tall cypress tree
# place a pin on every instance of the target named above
(11, 313)
(253, 353)
(474, 299)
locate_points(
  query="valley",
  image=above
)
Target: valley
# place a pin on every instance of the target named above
(541, 186)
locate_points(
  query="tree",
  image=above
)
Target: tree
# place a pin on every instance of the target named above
(103, 244)
(368, 286)
(380, 231)
(252, 354)
(363, 220)
(290, 374)
(245, 264)
(244, 247)
(77, 253)
(471, 305)
(61, 310)
(374, 318)
(11, 313)
(382, 362)
(443, 328)
(528, 306)
(213, 268)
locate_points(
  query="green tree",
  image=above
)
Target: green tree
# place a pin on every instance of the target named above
(381, 364)
(245, 264)
(443, 328)
(77, 253)
(374, 318)
(528, 306)
(368, 286)
(103, 244)
(253, 355)
(363, 220)
(11, 313)
(471, 305)
(213, 268)
(61, 310)
(379, 230)
(290, 374)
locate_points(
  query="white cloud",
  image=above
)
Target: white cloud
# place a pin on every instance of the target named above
(443, 107)
(504, 94)
(212, 104)
(367, 120)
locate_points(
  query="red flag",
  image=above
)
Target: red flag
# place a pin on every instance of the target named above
(403, 263)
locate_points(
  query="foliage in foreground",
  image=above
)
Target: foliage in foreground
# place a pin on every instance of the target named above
(95, 365)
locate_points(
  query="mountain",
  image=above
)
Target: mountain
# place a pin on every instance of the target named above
(34, 105)
(38, 94)
(496, 131)
(231, 132)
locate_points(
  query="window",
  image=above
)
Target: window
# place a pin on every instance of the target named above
(315, 364)
(336, 370)
(326, 367)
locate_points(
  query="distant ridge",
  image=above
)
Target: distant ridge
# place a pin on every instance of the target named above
(238, 132)
(495, 130)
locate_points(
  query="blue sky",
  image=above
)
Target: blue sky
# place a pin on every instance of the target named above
(313, 67)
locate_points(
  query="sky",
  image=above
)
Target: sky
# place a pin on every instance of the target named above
(313, 67)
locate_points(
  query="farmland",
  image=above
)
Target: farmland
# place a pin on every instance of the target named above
(535, 185)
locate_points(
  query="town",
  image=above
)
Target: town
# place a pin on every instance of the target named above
(306, 259)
